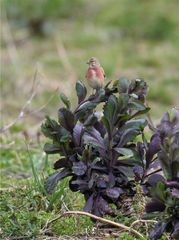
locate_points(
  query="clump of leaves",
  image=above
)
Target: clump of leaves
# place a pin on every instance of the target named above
(165, 187)
(99, 150)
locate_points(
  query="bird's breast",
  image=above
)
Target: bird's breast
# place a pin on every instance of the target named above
(95, 77)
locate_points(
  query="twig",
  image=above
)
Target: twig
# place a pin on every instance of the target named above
(142, 221)
(119, 225)
(22, 112)
(43, 106)
(20, 116)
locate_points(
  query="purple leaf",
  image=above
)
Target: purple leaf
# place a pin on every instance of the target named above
(102, 207)
(158, 230)
(79, 168)
(111, 179)
(154, 206)
(91, 120)
(154, 147)
(89, 204)
(138, 171)
(78, 184)
(165, 127)
(127, 136)
(61, 163)
(93, 137)
(81, 91)
(114, 193)
(101, 183)
(66, 119)
(77, 134)
(175, 192)
(175, 233)
(172, 184)
(100, 128)
(54, 178)
(154, 179)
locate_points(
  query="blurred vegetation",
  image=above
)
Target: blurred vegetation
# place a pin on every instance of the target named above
(131, 38)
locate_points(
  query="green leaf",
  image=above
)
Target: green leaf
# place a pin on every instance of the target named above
(51, 148)
(85, 110)
(110, 113)
(128, 136)
(123, 85)
(160, 191)
(65, 100)
(110, 107)
(140, 112)
(81, 91)
(136, 123)
(50, 128)
(136, 105)
(91, 120)
(126, 152)
(87, 106)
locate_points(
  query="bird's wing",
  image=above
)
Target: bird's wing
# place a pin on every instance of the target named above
(103, 72)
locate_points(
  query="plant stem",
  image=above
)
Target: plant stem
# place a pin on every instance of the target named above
(119, 225)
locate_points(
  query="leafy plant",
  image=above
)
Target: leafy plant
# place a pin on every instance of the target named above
(165, 188)
(98, 150)
(108, 157)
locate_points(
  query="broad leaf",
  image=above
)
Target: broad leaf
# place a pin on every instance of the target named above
(51, 148)
(65, 100)
(89, 204)
(85, 109)
(128, 136)
(61, 163)
(77, 134)
(79, 168)
(81, 91)
(175, 233)
(136, 123)
(114, 193)
(154, 206)
(136, 105)
(175, 193)
(110, 111)
(123, 85)
(66, 119)
(154, 147)
(54, 178)
(158, 230)
(93, 137)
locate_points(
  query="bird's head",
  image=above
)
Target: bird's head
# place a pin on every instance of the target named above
(93, 62)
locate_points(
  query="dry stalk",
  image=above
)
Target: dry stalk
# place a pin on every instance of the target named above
(142, 221)
(119, 225)
(24, 110)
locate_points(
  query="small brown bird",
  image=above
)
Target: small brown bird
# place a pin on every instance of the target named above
(95, 74)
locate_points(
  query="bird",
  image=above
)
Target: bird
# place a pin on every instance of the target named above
(95, 74)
